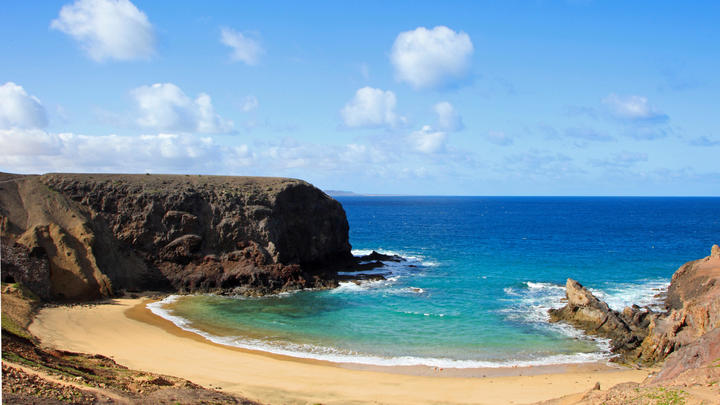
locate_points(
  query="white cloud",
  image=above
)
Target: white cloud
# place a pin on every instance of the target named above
(427, 140)
(244, 49)
(108, 29)
(632, 108)
(29, 142)
(430, 58)
(499, 138)
(371, 108)
(447, 117)
(36, 151)
(249, 103)
(19, 109)
(164, 107)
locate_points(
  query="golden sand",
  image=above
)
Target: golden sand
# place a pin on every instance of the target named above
(126, 331)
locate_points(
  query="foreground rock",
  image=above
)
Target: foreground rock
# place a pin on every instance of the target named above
(641, 335)
(693, 308)
(626, 330)
(82, 236)
(686, 336)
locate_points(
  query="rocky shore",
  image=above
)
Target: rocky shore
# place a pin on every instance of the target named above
(685, 337)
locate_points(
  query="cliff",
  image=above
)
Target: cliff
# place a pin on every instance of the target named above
(692, 311)
(87, 236)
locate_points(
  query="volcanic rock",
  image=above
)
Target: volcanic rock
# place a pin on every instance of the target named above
(99, 234)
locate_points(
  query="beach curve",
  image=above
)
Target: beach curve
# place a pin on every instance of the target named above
(132, 335)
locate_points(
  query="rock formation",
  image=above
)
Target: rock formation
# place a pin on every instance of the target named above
(640, 335)
(625, 330)
(98, 234)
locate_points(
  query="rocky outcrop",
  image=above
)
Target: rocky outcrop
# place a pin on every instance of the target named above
(693, 308)
(641, 335)
(626, 330)
(99, 234)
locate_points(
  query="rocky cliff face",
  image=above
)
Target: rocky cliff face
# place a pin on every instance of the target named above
(641, 335)
(104, 233)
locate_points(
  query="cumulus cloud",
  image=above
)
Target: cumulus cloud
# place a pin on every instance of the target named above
(371, 108)
(634, 108)
(165, 107)
(429, 58)
(499, 138)
(244, 48)
(36, 151)
(427, 140)
(27, 143)
(19, 109)
(107, 29)
(448, 118)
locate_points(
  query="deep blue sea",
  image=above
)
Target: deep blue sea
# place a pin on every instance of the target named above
(480, 275)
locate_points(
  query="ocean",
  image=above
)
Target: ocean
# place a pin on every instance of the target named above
(479, 276)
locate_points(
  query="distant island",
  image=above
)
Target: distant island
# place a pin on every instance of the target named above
(341, 193)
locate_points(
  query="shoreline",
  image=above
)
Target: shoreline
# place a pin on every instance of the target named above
(143, 313)
(126, 330)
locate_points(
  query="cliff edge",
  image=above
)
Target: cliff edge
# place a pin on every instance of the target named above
(88, 236)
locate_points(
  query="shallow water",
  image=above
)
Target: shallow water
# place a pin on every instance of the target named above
(480, 275)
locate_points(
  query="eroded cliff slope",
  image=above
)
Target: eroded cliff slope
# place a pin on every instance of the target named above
(86, 236)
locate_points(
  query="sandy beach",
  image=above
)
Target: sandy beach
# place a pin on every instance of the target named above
(129, 333)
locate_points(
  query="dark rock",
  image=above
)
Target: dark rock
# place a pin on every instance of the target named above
(18, 265)
(379, 257)
(106, 233)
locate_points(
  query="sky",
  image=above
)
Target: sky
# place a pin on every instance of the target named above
(405, 97)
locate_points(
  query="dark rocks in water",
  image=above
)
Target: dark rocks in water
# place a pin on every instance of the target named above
(359, 278)
(369, 262)
(379, 257)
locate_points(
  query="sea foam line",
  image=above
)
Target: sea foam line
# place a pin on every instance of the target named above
(308, 351)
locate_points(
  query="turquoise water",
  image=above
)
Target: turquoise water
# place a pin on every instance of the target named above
(480, 275)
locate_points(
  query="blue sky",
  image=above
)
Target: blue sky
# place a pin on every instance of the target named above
(459, 98)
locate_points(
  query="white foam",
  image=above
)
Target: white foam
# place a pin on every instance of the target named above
(532, 303)
(410, 259)
(643, 294)
(309, 351)
(391, 270)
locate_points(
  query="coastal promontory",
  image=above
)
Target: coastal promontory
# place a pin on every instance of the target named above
(88, 236)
